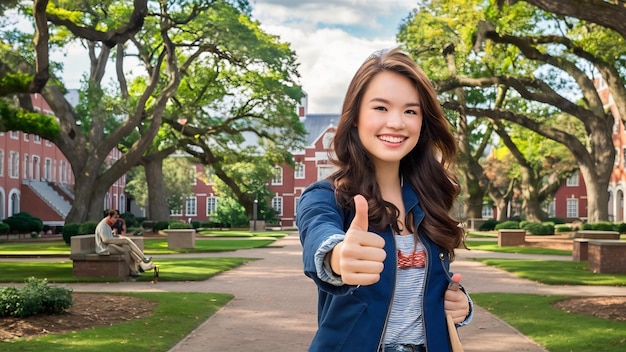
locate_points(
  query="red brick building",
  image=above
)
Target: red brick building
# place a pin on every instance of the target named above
(311, 164)
(35, 177)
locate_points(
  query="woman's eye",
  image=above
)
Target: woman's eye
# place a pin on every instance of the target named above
(381, 108)
(411, 112)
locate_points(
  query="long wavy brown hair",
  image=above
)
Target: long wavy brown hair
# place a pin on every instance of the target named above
(427, 167)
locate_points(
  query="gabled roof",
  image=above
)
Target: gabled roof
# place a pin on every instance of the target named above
(317, 124)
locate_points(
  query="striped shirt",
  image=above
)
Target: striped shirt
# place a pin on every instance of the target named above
(405, 324)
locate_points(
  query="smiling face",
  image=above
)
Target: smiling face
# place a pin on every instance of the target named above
(390, 118)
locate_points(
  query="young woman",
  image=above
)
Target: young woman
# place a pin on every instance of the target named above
(377, 235)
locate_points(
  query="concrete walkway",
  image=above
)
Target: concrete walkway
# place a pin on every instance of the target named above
(274, 308)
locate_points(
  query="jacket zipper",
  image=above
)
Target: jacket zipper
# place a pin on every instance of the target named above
(381, 341)
(426, 277)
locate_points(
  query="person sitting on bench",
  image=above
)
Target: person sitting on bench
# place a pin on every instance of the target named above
(109, 243)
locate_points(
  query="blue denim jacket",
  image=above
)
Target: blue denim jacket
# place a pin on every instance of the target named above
(353, 318)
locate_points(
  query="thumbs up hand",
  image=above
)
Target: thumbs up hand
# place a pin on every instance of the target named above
(456, 304)
(359, 258)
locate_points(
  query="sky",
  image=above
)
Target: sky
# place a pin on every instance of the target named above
(331, 38)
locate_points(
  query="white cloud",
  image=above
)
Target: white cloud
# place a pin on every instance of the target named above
(331, 39)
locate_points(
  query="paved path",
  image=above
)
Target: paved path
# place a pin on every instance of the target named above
(274, 308)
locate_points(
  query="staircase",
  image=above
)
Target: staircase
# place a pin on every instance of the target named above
(50, 196)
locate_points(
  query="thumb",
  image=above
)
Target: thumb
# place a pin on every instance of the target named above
(456, 280)
(360, 221)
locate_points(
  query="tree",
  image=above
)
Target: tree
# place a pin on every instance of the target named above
(609, 14)
(173, 43)
(178, 177)
(234, 102)
(536, 58)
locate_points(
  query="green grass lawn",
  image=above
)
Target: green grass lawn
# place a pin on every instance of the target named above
(555, 329)
(192, 269)
(176, 316)
(241, 233)
(152, 246)
(556, 272)
(492, 246)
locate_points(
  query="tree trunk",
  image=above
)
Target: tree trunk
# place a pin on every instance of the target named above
(158, 209)
(597, 194)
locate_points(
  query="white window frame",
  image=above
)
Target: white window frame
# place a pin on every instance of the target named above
(14, 164)
(299, 170)
(191, 206)
(211, 205)
(277, 178)
(572, 207)
(572, 181)
(277, 204)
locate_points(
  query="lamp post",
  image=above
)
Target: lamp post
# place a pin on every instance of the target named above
(254, 213)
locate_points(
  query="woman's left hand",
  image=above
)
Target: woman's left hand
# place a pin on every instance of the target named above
(456, 303)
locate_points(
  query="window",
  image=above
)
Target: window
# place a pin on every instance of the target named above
(194, 179)
(191, 206)
(296, 202)
(14, 135)
(26, 137)
(63, 172)
(572, 208)
(277, 204)
(26, 164)
(37, 139)
(211, 205)
(176, 212)
(572, 181)
(2, 162)
(487, 211)
(323, 172)
(277, 179)
(616, 161)
(299, 170)
(122, 207)
(47, 170)
(327, 140)
(14, 165)
(209, 175)
(624, 157)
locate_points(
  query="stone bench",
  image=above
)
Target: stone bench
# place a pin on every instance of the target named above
(597, 235)
(87, 263)
(607, 256)
(511, 237)
(580, 249)
(181, 238)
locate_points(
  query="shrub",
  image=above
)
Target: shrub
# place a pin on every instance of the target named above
(35, 297)
(621, 227)
(69, 230)
(511, 224)
(488, 225)
(87, 228)
(546, 228)
(556, 221)
(562, 228)
(23, 222)
(176, 224)
(600, 226)
(195, 224)
(4, 228)
(130, 220)
(161, 225)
